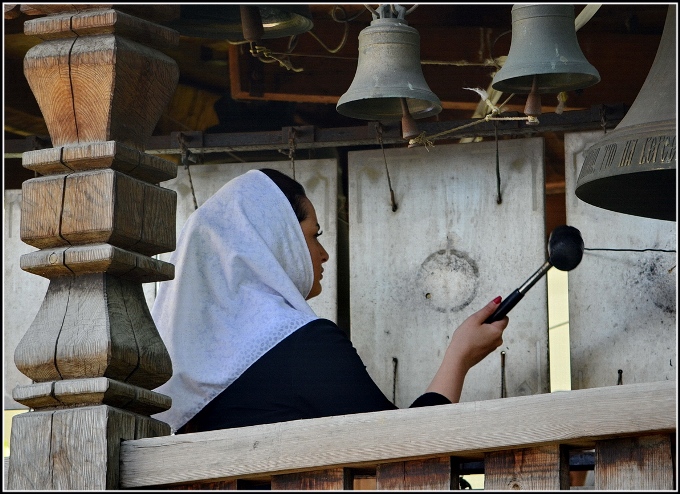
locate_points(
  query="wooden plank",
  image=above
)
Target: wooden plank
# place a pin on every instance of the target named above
(218, 485)
(331, 479)
(222, 485)
(641, 463)
(544, 468)
(432, 474)
(463, 429)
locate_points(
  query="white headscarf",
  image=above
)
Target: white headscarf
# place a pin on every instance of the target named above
(242, 272)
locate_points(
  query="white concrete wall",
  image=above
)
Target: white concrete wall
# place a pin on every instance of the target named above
(22, 296)
(24, 292)
(417, 273)
(622, 305)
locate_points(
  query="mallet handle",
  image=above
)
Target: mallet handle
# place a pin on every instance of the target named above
(505, 307)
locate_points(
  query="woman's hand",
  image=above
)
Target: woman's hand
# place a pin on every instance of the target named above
(471, 342)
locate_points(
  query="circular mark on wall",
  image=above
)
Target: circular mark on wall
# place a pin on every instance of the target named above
(448, 280)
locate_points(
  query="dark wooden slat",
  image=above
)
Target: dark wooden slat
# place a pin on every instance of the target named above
(641, 463)
(542, 468)
(328, 479)
(428, 474)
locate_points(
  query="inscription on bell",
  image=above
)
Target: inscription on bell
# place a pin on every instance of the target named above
(608, 159)
(589, 163)
(658, 149)
(628, 151)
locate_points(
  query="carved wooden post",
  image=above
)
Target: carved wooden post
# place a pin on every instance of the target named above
(97, 215)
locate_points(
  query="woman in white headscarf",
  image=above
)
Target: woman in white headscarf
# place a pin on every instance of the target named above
(246, 347)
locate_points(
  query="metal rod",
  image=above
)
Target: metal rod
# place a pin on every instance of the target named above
(535, 277)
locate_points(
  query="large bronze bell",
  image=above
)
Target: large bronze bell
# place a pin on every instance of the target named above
(223, 21)
(388, 71)
(544, 49)
(632, 170)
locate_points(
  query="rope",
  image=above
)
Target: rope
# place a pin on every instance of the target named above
(389, 182)
(423, 140)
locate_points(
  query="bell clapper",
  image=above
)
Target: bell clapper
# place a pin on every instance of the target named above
(533, 105)
(409, 127)
(251, 24)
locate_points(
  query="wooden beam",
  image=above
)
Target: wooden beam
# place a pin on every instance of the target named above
(309, 137)
(468, 430)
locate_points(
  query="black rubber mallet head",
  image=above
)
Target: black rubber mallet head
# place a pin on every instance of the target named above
(565, 251)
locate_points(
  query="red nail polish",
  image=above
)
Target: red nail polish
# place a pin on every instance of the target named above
(497, 300)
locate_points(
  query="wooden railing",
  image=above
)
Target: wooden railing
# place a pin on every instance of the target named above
(523, 442)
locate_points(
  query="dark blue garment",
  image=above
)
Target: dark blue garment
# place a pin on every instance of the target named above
(314, 372)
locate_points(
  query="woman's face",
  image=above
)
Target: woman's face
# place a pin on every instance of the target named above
(311, 231)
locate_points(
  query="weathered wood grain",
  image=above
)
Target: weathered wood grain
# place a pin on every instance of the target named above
(45, 161)
(41, 206)
(545, 468)
(101, 95)
(99, 88)
(50, 263)
(101, 20)
(431, 474)
(38, 395)
(102, 206)
(47, 70)
(128, 26)
(155, 367)
(158, 232)
(334, 479)
(85, 443)
(120, 88)
(464, 429)
(34, 355)
(89, 207)
(97, 155)
(98, 391)
(218, 485)
(96, 258)
(30, 465)
(96, 339)
(642, 463)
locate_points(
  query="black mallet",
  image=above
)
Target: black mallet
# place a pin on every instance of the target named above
(565, 250)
